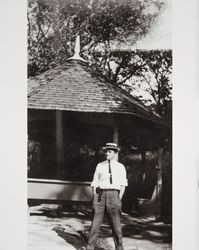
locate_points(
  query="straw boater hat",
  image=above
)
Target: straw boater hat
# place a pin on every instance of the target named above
(111, 146)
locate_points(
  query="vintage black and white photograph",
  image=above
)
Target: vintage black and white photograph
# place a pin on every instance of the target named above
(99, 124)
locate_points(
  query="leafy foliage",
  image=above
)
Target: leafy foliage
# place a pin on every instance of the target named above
(53, 25)
(147, 72)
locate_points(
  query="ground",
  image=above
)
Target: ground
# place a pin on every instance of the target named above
(68, 230)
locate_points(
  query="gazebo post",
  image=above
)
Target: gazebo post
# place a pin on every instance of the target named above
(159, 183)
(59, 142)
(116, 135)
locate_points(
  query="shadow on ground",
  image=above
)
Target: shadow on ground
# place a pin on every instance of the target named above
(79, 240)
(132, 227)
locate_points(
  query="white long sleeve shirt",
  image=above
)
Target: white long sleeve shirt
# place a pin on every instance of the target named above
(102, 177)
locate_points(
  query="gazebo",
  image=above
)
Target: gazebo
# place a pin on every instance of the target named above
(72, 112)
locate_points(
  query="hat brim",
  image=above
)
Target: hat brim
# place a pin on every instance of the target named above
(111, 148)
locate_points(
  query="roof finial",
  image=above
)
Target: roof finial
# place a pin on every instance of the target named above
(76, 56)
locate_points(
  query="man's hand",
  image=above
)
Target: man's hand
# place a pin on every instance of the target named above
(94, 190)
(121, 193)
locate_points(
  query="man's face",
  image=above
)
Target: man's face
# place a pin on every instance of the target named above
(110, 154)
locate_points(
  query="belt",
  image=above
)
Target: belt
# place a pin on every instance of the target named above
(108, 189)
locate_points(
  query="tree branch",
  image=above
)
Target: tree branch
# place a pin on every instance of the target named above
(152, 90)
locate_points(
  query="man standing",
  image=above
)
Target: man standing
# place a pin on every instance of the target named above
(108, 184)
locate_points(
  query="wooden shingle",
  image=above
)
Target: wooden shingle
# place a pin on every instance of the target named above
(75, 87)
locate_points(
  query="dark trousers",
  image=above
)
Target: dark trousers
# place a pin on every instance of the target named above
(110, 202)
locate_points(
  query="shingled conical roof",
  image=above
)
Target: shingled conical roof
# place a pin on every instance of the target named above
(74, 86)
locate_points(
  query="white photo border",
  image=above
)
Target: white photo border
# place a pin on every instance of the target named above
(13, 129)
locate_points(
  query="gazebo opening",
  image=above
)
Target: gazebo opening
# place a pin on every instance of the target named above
(81, 149)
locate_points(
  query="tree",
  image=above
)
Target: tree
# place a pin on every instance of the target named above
(146, 74)
(156, 78)
(160, 66)
(53, 25)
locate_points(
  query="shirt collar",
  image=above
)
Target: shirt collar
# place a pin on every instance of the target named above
(111, 161)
